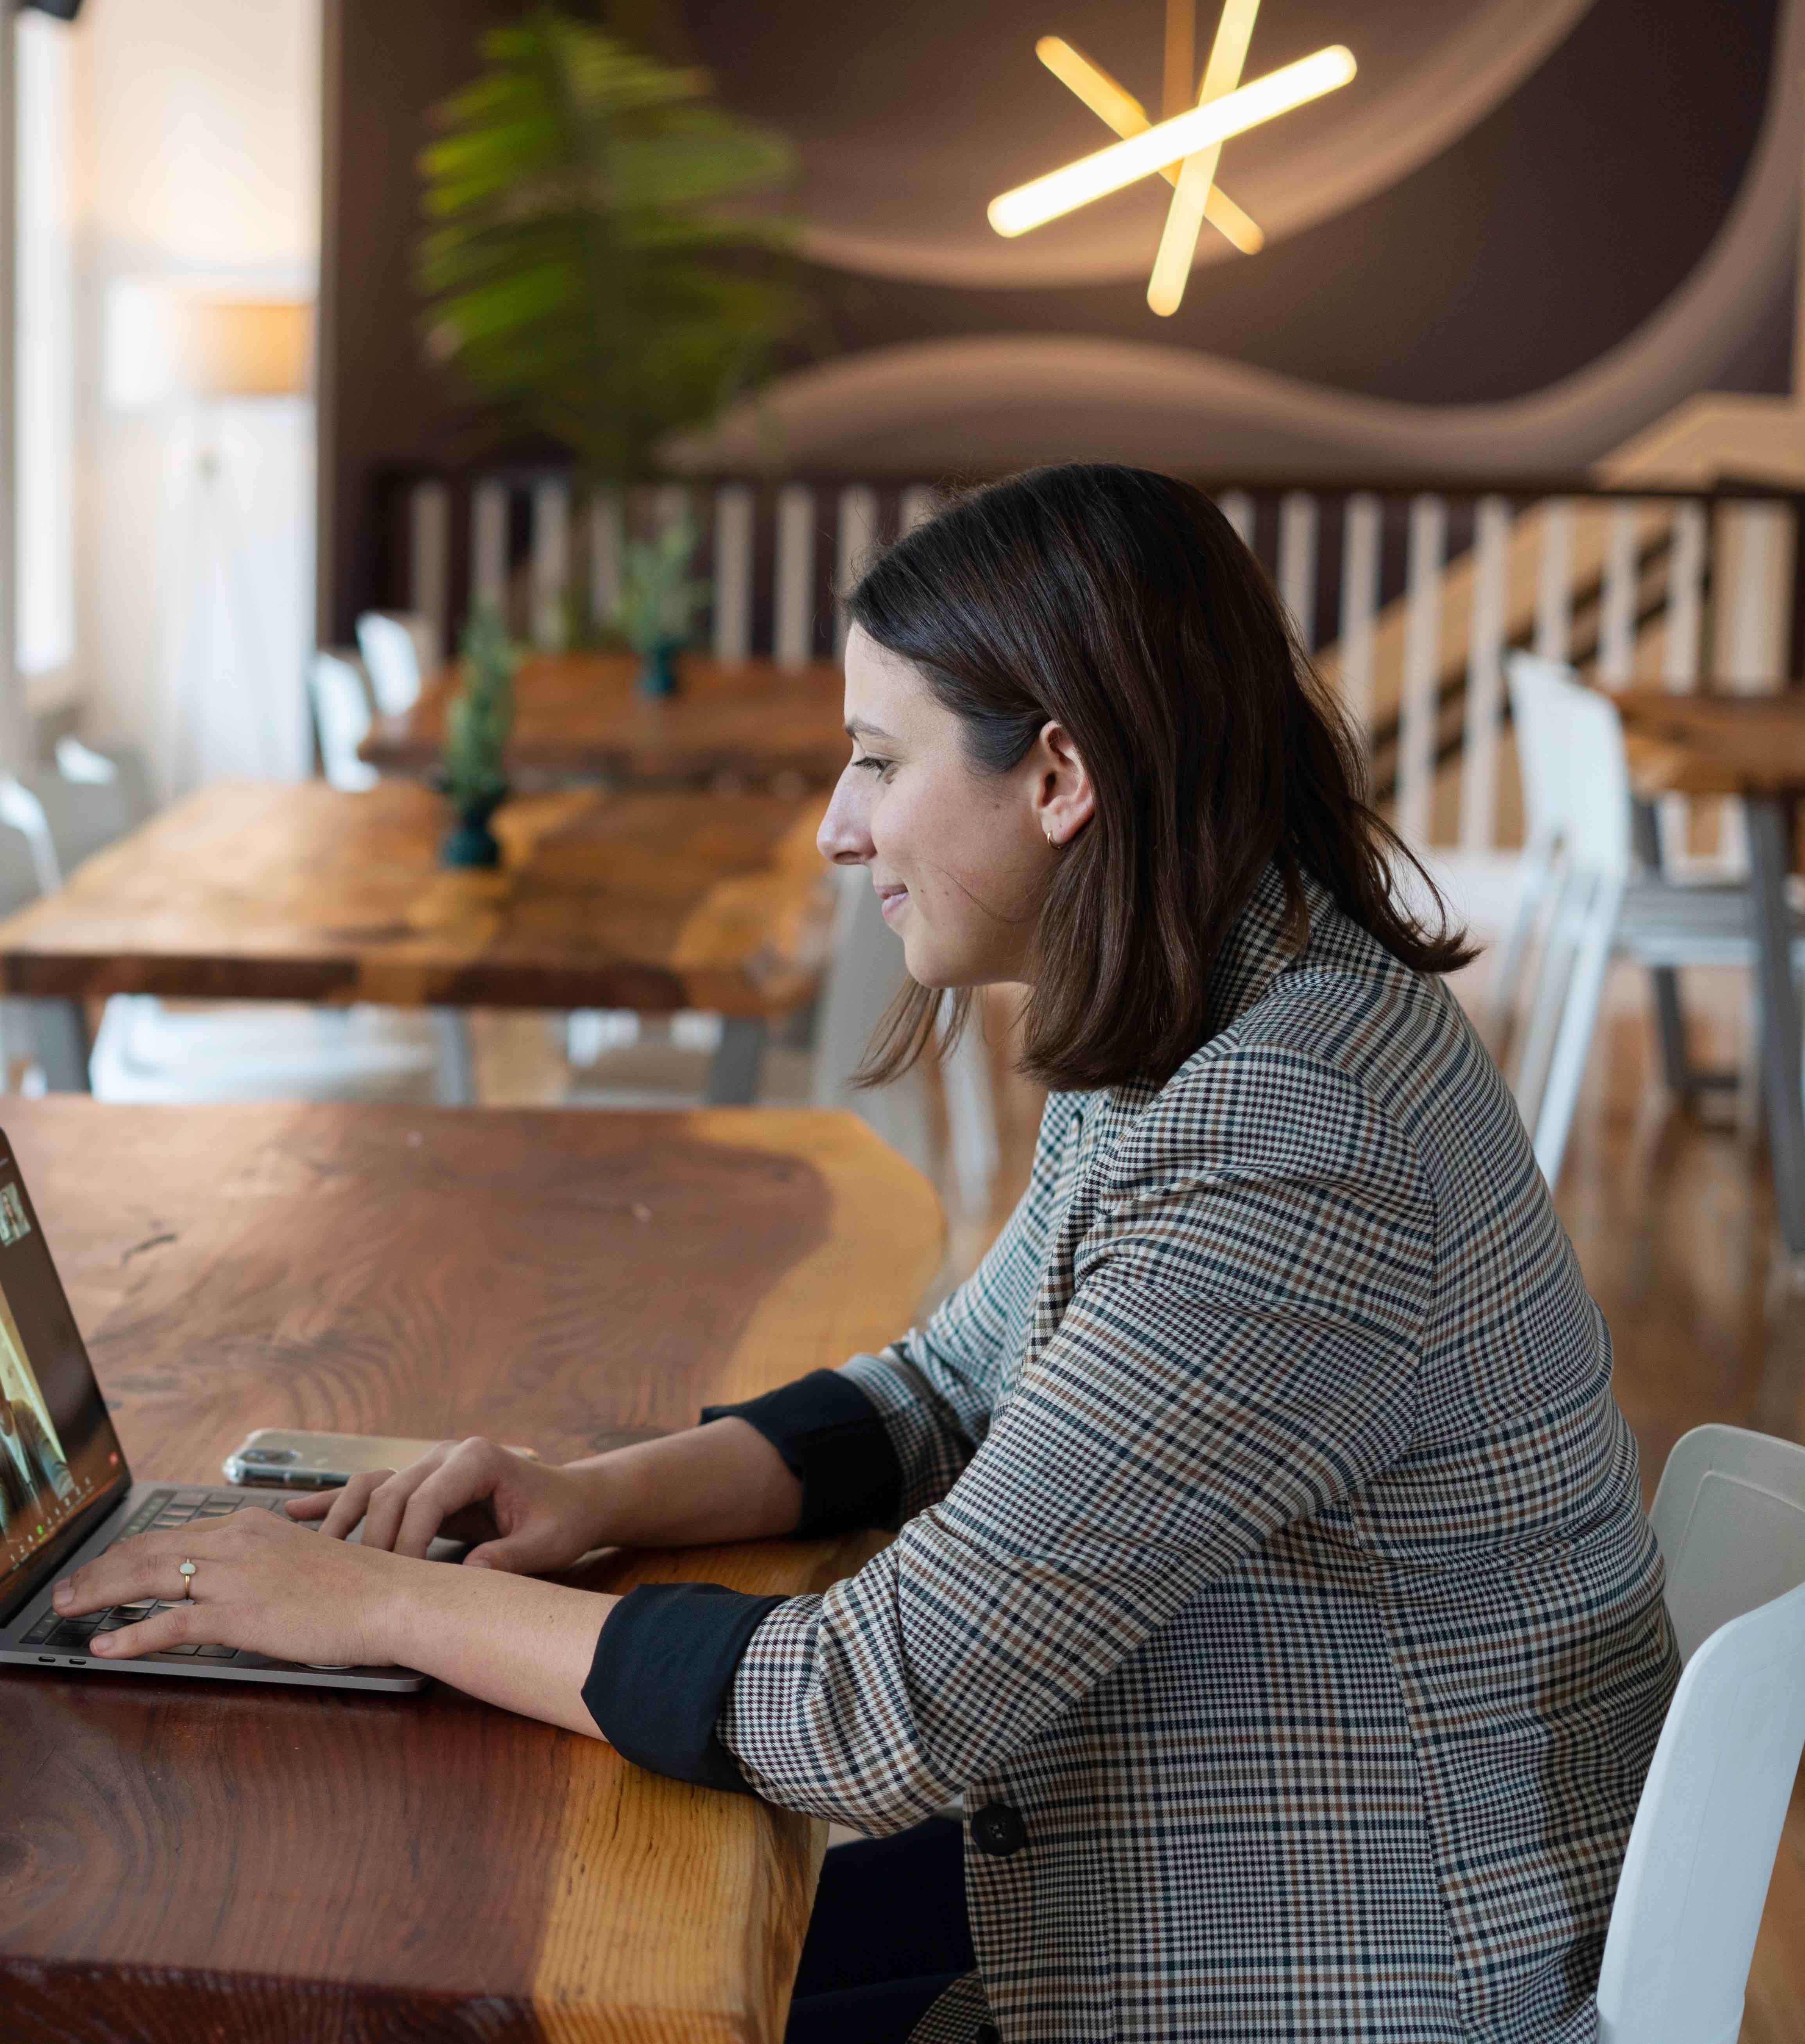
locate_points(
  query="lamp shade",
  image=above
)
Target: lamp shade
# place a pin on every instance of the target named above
(241, 348)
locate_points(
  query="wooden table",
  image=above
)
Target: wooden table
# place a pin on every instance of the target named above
(579, 716)
(1752, 747)
(653, 901)
(179, 1861)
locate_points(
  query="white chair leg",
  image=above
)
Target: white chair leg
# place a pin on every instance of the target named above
(1534, 1046)
(1578, 1020)
(1534, 880)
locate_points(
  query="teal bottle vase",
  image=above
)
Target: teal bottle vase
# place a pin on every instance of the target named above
(469, 841)
(657, 669)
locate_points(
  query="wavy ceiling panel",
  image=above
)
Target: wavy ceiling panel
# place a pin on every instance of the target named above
(1597, 245)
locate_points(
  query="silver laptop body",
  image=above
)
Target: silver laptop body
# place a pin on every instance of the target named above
(66, 1493)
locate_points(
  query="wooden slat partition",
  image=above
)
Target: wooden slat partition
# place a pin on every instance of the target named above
(1407, 595)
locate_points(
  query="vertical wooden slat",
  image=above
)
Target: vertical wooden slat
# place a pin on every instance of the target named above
(1617, 617)
(1423, 621)
(606, 526)
(1361, 534)
(551, 563)
(671, 505)
(1554, 581)
(1756, 564)
(429, 555)
(1484, 675)
(1297, 563)
(1685, 595)
(918, 503)
(733, 572)
(854, 537)
(489, 543)
(1236, 507)
(795, 633)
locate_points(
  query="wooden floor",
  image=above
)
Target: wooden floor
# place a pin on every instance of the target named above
(1671, 1215)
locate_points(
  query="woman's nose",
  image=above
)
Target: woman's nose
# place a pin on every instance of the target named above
(845, 835)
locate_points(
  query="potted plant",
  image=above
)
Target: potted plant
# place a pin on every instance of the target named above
(593, 267)
(478, 723)
(658, 601)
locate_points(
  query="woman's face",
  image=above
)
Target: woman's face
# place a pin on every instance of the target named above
(960, 859)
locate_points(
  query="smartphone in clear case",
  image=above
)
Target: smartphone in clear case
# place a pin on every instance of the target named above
(293, 1459)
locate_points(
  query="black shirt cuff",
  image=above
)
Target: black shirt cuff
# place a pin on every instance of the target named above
(830, 1437)
(662, 1668)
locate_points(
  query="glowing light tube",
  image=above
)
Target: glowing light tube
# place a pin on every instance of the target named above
(1184, 216)
(1109, 170)
(1118, 108)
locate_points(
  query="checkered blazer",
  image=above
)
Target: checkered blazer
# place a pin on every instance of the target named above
(1273, 1580)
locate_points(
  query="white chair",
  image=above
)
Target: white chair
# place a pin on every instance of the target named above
(1730, 1516)
(91, 799)
(341, 719)
(400, 648)
(1536, 707)
(1602, 906)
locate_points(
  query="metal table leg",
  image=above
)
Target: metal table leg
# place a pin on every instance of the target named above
(733, 1075)
(457, 1060)
(1769, 820)
(60, 1038)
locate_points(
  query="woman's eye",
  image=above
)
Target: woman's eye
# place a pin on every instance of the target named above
(877, 766)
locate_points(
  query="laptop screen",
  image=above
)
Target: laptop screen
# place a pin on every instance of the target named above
(58, 1453)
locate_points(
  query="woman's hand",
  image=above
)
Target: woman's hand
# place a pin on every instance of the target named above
(528, 1518)
(259, 1582)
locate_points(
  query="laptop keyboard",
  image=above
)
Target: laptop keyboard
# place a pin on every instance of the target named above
(162, 1509)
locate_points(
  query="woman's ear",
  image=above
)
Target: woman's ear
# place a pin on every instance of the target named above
(1064, 799)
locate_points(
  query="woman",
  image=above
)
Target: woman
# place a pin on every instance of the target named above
(1272, 1583)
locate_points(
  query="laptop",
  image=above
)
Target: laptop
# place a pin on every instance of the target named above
(66, 1493)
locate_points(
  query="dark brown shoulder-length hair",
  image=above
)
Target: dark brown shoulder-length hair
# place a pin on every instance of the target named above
(1119, 604)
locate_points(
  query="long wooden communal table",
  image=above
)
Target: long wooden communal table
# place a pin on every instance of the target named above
(579, 716)
(655, 901)
(1752, 747)
(179, 1860)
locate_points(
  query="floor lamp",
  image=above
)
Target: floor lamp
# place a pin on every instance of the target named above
(222, 349)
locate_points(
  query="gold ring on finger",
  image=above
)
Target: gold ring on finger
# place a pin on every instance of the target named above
(187, 1573)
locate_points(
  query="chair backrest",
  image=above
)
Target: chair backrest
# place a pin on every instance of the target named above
(1538, 700)
(22, 812)
(91, 798)
(1730, 1515)
(341, 717)
(1594, 785)
(398, 649)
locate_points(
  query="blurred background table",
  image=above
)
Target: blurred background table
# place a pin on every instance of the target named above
(580, 716)
(179, 1860)
(654, 901)
(1751, 746)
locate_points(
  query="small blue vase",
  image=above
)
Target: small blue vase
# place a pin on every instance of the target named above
(657, 669)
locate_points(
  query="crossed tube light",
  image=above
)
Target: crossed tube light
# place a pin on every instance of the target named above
(1200, 127)
(1118, 108)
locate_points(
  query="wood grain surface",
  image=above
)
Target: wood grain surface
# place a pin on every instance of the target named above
(1714, 744)
(179, 1861)
(652, 899)
(581, 715)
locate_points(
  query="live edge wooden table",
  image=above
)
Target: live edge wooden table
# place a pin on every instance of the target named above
(1753, 746)
(652, 899)
(579, 716)
(183, 1861)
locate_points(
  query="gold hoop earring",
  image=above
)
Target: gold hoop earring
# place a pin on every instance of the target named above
(1051, 841)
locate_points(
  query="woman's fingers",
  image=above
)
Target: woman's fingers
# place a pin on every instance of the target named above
(148, 1566)
(348, 1506)
(179, 1625)
(469, 1473)
(310, 1503)
(389, 1500)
